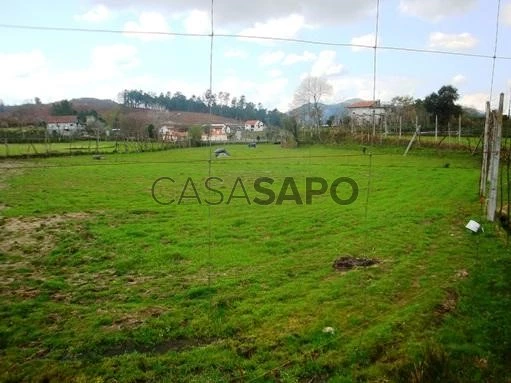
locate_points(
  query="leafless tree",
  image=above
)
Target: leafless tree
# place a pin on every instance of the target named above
(309, 94)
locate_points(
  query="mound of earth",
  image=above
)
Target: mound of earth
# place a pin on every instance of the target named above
(349, 262)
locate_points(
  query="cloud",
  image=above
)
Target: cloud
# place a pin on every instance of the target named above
(458, 80)
(506, 14)
(236, 53)
(279, 57)
(270, 93)
(325, 65)
(107, 71)
(110, 59)
(457, 42)
(294, 58)
(198, 22)
(275, 73)
(269, 58)
(97, 14)
(478, 100)
(435, 10)
(328, 12)
(21, 65)
(188, 88)
(366, 40)
(148, 22)
(285, 27)
(387, 87)
(475, 100)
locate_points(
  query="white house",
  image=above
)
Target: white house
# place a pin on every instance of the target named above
(218, 132)
(172, 132)
(63, 125)
(362, 112)
(254, 126)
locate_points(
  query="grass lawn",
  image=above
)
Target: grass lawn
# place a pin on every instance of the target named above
(98, 282)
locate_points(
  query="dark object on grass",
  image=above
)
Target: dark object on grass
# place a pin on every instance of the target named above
(98, 157)
(364, 149)
(221, 152)
(252, 145)
(349, 262)
(446, 165)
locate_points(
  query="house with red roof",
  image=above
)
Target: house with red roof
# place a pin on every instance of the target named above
(361, 112)
(63, 125)
(254, 126)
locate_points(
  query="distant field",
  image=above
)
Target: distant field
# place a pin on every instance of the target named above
(100, 283)
(75, 147)
(89, 146)
(56, 147)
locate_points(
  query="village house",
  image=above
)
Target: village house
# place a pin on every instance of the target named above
(173, 132)
(361, 112)
(64, 126)
(218, 132)
(254, 126)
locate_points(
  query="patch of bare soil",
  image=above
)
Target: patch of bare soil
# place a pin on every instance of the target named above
(177, 345)
(449, 303)
(348, 262)
(33, 235)
(504, 220)
(23, 240)
(133, 319)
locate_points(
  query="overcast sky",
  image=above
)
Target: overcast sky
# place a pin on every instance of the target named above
(54, 65)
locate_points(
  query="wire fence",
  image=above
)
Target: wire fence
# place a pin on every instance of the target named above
(37, 143)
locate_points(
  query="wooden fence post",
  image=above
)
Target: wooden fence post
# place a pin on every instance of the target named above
(484, 166)
(436, 128)
(459, 129)
(494, 161)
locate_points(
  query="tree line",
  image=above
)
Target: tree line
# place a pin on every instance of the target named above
(221, 104)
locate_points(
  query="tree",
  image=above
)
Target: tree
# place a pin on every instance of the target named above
(310, 92)
(151, 131)
(195, 134)
(402, 110)
(62, 108)
(291, 125)
(37, 101)
(2, 106)
(442, 104)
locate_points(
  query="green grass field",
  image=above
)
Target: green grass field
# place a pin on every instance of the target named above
(30, 149)
(99, 283)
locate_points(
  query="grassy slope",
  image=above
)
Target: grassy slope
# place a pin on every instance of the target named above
(134, 291)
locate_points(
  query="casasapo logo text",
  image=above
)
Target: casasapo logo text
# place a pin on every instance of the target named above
(260, 191)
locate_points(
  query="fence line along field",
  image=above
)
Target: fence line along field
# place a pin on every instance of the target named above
(99, 282)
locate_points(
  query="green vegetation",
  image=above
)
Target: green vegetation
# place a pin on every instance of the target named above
(100, 283)
(220, 104)
(62, 108)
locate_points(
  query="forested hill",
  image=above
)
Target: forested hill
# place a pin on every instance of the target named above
(221, 104)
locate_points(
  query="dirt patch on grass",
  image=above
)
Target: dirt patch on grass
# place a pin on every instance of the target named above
(504, 220)
(133, 319)
(348, 262)
(449, 303)
(176, 344)
(23, 241)
(33, 235)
